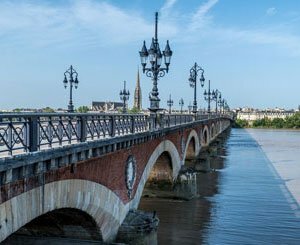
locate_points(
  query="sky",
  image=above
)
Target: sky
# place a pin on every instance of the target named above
(250, 50)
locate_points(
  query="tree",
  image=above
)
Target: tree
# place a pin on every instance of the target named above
(17, 110)
(134, 110)
(83, 109)
(263, 123)
(48, 109)
(241, 123)
(278, 123)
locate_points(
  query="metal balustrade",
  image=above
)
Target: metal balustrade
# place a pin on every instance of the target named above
(30, 132)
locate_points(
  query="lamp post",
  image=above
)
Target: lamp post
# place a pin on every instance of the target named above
(193, 82)
(221, 105)
(170, 103)
(124, 96)
(190, 108)
(209, 96)
(226, 107)
(155, 71)
(220, 102)
(181, 103)
(71, 72)
(216, 93)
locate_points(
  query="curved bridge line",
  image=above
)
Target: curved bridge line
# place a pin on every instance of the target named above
(165, 146)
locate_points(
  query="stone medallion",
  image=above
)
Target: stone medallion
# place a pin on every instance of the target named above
(130, 174)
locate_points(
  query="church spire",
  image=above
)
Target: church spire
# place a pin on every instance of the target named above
(138, 93)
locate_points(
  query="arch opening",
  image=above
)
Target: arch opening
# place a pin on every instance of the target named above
(62, 224)
(161, 174)
(191, 150)
(205, 137)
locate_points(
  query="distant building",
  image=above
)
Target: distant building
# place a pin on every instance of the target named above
(138, 93)
(251, 114)
(110, 106)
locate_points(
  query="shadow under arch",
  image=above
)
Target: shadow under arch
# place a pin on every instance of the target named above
(166, 150)
(205, 136)
(162, 170)
(60, 223)
(192, 147)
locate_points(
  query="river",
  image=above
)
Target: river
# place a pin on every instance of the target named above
(250, 196)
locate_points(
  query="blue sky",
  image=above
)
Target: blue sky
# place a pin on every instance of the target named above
(250, 50)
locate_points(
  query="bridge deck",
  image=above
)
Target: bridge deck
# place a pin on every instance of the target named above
(22, 132)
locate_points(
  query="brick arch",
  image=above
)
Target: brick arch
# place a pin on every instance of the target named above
(164, 146)
(96, 200)
(193, 136)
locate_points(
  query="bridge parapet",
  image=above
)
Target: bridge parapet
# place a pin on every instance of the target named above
(30, 132)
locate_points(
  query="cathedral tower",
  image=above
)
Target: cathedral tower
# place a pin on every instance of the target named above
(138, 93)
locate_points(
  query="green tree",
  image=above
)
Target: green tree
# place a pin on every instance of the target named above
(262, 123)
(293, 121)
(17, 110)
(83, 109)
(134, 110)
(48, 109)
(278, 123)
(241, 123)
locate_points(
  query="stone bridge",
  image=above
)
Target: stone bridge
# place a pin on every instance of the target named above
(90, 169)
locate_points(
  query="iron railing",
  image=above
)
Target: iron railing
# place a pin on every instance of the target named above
(29, 132)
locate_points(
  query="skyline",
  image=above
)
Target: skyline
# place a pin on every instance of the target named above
(252, 61)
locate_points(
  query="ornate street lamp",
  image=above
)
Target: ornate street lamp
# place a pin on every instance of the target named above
(181, 103)
(170, 104)
(220, 102)
(193, 82)
(124, 96)
(216, 93)
(208, 96)
(155, 71)
(226, 107)
(190, 108)
(221, 105)
(72, 73)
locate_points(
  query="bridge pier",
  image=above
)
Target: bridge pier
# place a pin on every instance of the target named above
(186, 185)
(139, 227)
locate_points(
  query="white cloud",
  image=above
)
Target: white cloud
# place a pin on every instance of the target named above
(271, 11)
(99, 23)
(167, 7)
(200, 17)
(272, 37)
(80, 22)
(276, 37)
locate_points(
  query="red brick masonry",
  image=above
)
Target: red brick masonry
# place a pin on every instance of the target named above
(107, 170)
